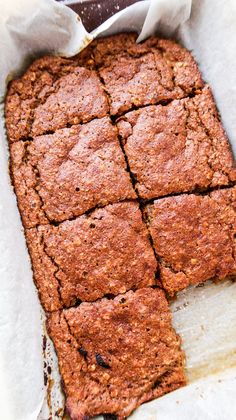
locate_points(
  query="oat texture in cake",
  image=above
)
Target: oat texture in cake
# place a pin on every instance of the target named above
(63, 175)
(178, 147)
(52, 94)
(194, 237)
(125, 183)
(104, 253)
(154, 71)
(116, 354)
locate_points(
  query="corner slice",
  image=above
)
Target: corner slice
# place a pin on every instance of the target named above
(65, 174)
(54, 92)
(105, 252)
(194, 236)
(180, 147)
(148, 73)
(116, 354)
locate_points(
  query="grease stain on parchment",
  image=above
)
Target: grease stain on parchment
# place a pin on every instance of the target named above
(205, 319)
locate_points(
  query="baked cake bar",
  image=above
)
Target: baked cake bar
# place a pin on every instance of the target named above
(116, 354)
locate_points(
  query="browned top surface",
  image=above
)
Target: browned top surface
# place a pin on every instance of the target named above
(176, 148)
(195, 237)
(64, 174)
(66, 162)
(140, 74)
(131, 353)
(53, 93)
(106, 252)
(56, 92)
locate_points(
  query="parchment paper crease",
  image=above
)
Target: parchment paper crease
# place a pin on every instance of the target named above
(204, 317)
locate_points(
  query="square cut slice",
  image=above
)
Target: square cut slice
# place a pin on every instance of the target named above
(194, 237)
(104, 253)
(63, 175)
(147, 73)
(116, 354)
(176, 148)
(53, 93)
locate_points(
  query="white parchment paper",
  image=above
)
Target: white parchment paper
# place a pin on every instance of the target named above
(204, 317)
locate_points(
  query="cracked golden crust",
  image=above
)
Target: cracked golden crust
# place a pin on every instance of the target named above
(132, 335)
(53, 93)
(178, 147)
(194, 237)
(154, 71)
(105, 252)
(63, 175)
(26, 92)
(77, 98)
